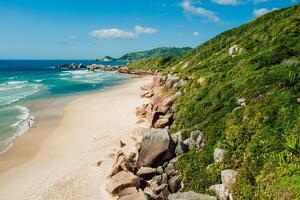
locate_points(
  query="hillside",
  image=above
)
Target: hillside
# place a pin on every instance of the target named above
(259, 63)
(157, 52)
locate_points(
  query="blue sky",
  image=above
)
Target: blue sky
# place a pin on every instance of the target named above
(76, 29)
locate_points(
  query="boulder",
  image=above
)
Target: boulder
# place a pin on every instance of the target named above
(146, 171)
(157, 146)
(121, 181)
(228, 178)
(144, 93)
(140, 195)
(174, 184)
(220, 191)
(298, 100)
(190, 196)
(219, 155)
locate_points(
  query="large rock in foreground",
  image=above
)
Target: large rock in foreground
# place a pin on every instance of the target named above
(157, 147)
(121, 181)
(190, 196)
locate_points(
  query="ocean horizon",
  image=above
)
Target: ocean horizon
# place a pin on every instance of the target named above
(23, 81)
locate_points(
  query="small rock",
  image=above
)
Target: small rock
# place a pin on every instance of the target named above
(190, 196)
(170, 170)
(220, 191)
(181, 148)
(234, 50)
(148, 191)
(174, 184)
(122, 144)
(228, 178)
(118, 160)
(158, 189)
(164, 193)
(164, 178)
(160, 170)
(219, 155)
(240, 101)
(157, 178)
(161, 123)
(128, 166)
(179, 84)
(121, 181)
(298, 100)
(145, 171)
(99, 163)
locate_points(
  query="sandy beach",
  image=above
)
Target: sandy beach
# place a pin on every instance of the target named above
(56, 158)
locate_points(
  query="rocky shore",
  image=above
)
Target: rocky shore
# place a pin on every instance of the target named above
(93, 67)
(150, 172)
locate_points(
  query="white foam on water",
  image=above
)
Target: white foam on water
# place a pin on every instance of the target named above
(13, 91)
(25, 120)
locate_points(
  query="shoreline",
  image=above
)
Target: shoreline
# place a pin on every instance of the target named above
(49, 154)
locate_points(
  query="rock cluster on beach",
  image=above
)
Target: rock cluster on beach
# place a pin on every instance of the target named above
(93, 67)
(150, 172)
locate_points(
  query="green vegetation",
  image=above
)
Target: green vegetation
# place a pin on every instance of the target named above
(262, 139)
(161, 52)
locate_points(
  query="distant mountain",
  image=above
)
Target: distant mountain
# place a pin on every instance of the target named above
(106, 59)
(157, 52)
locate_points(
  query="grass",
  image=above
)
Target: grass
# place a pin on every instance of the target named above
(261, 140)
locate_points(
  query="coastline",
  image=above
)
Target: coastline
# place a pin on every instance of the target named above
(45, 162)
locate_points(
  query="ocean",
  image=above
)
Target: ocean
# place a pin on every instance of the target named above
(22, 81)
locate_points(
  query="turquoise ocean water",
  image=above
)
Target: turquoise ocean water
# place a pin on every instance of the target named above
(22, 81)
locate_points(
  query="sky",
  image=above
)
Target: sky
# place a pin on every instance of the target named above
(89, 29)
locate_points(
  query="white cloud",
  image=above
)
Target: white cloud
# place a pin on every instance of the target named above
(149, 31)
(196, 33)
(262, 11)
(227, 2)
(115, 33)
(189, 8)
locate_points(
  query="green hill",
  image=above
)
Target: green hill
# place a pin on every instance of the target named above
(157, 52)
(261, 139)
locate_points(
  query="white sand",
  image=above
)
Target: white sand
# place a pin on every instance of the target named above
(62, 163)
